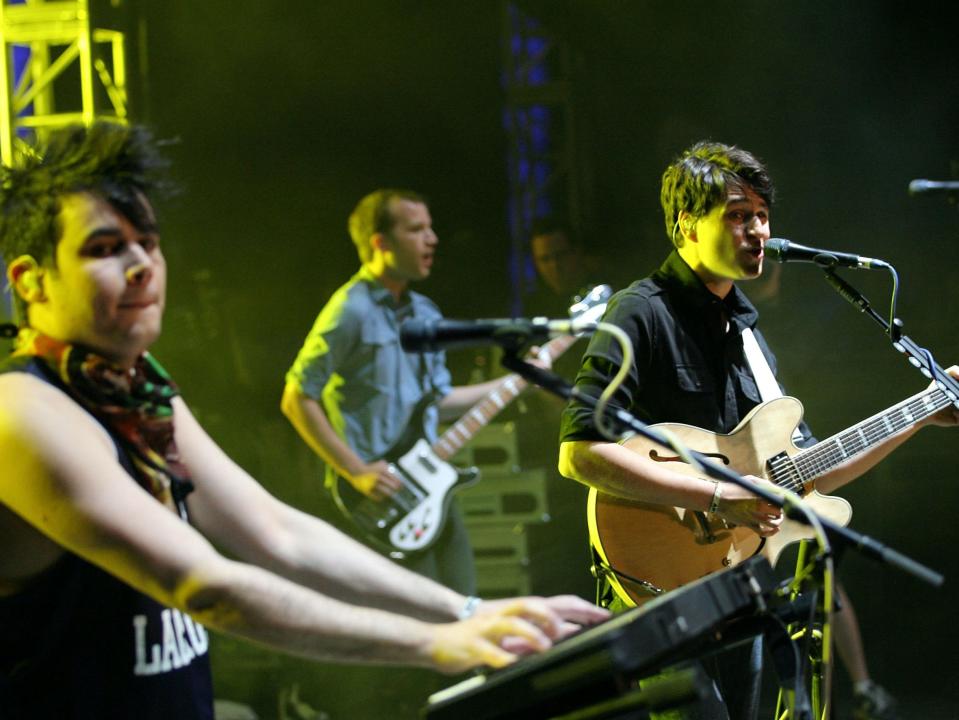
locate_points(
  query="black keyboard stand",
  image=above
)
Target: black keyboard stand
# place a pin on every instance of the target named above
(675, 690)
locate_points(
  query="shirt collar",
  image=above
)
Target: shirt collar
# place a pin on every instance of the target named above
(678, 278)
(378, 291)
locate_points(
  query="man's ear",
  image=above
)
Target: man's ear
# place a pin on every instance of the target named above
(24, 275)
(687, 225)
(378, 241)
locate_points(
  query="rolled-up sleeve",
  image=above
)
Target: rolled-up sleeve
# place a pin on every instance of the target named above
(602, 360)
(332, 338)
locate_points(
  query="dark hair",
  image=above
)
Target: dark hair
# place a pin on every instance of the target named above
(372, 215)
(700, 178)
(553, 225)
(119, 163)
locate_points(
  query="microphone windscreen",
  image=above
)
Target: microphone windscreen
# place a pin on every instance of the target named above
(416, 333)
(776, 248)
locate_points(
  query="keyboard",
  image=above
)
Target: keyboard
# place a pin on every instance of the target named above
(603, 661)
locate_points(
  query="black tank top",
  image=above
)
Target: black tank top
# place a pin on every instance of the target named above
(77, 643)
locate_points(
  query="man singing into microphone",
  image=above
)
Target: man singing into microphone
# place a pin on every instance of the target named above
(687, 323)
(352, 391)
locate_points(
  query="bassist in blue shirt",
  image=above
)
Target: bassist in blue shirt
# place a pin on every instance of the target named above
(353, 392)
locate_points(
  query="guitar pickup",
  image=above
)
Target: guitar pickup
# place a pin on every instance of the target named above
(783, 471)
(427, 463)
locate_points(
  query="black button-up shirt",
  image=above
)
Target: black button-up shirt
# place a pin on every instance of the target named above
(689, 363)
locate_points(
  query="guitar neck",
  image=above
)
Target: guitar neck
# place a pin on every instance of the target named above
(824, 456)
(478, 416)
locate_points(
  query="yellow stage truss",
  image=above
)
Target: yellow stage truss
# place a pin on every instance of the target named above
(75, 71)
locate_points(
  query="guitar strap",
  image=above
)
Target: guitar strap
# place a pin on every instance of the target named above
(762, 373)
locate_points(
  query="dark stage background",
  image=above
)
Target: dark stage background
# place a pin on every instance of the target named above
(288, 112)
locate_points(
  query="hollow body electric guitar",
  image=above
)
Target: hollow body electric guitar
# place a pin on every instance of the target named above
(411, 520)
(650, 549)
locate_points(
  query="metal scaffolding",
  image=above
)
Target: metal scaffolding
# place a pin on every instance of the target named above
(60, 65)
(543, 166)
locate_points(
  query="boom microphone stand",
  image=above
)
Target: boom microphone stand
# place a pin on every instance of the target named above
(919, 357)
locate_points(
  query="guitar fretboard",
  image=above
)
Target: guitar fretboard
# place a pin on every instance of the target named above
(478, 416)
(822, 457)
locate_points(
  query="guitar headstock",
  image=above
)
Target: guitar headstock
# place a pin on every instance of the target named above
(587, 309)
(591, 306)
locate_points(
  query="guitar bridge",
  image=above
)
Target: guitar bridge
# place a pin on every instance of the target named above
(705, 533)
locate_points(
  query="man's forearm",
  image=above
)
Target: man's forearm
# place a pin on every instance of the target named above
(246, 601)
(312, 424)
(254, 604)
(321, 557)
(325, 559)
(861, 464)
(858, 465)
(616, 470)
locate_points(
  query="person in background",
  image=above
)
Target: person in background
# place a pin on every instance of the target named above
(564, 269)
(353, 393)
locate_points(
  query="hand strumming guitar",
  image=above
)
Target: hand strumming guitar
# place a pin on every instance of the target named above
(376, 480)
(738, 506)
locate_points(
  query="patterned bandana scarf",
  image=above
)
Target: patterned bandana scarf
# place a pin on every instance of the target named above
(135, 404)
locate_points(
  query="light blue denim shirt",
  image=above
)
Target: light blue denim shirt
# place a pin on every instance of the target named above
(352, 363)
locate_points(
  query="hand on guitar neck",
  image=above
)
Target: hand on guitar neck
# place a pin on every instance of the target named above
(949, 415)
(540, 357)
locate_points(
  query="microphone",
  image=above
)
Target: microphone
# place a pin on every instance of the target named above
(787, 251)
(431, 335)
(934, 187)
